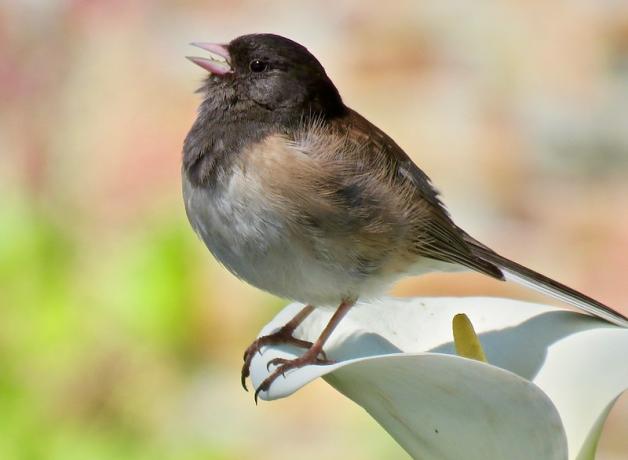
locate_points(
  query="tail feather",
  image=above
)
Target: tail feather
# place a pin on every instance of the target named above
(522, 275)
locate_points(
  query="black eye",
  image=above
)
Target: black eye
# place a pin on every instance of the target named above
(257, 65)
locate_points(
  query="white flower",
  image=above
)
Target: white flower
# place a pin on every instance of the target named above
(552, 375)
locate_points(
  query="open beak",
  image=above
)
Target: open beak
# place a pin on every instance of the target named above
(213, 66)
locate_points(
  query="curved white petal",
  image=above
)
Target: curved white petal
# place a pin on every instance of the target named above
(584, 374)
(576, 359)
(448, 408)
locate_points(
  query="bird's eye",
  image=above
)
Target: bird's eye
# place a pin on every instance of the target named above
(257, 65)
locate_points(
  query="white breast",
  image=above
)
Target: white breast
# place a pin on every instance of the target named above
(238, 225)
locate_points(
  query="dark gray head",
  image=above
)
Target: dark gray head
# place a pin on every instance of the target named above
(263, 84)
(269, 75)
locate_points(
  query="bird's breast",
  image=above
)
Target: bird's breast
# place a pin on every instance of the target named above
(243, 226)
(274, 221)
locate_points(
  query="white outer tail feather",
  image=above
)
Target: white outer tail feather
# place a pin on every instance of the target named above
(518, 278)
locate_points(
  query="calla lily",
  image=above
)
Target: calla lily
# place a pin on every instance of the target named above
(550, 379)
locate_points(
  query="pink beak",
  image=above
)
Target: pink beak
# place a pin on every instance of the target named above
(213, 66)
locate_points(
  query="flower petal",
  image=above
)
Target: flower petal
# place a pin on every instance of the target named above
(447, 407)
(584, 374)
(576, 359)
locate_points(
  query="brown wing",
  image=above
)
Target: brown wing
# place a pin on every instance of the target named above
(332, 196)
(436, 236)
(379, 197)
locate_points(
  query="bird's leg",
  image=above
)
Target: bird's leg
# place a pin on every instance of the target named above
(282, 336)
(311, 355)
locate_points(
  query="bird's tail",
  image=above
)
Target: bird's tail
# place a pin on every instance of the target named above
(522, 275)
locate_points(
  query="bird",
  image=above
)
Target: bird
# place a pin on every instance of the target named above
(301, 196)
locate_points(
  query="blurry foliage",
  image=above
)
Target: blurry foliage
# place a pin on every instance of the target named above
(61, 366)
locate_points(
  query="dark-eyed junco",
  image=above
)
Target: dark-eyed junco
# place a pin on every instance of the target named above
(301, 196)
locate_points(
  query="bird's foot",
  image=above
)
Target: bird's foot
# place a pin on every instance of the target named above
(311, 356)
(282, 337)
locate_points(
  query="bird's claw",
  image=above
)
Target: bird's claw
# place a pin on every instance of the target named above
(284, 365)
(280, 362)
(282, 336)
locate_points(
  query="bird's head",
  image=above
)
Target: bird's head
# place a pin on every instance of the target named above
(269, 72)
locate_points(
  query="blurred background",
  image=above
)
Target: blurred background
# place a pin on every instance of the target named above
(120, 337)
